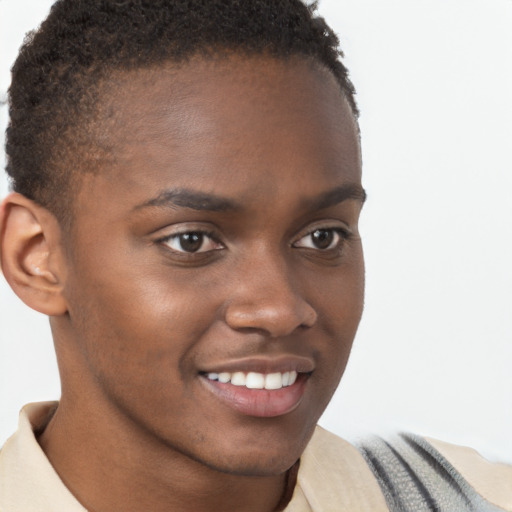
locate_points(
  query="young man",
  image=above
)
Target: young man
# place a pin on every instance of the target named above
(187, 182)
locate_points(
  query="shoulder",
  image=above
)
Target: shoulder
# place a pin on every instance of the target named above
(407, 473)
(491, 480)
(419, 474)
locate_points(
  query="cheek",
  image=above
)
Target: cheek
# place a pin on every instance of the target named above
(137, 328)
(338, 298)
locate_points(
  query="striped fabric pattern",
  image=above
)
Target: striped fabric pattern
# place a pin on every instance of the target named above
(415, 477)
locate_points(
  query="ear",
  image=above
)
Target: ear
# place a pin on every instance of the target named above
(31, 255)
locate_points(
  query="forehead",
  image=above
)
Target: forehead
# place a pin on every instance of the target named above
(225, 122)
(237, 79)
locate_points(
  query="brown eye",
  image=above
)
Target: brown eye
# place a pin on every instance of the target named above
(192, 242)
(322, 239)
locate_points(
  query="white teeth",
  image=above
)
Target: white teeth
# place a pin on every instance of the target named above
(238, 379)
(273, 381)
(224, 377)
(255, 380)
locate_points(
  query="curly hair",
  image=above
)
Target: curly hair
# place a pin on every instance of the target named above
(53, 95)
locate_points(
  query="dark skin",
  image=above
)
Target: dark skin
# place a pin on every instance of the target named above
(223, 237)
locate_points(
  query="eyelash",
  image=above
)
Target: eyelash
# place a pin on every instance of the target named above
(339, 236)
(204, 235)
(335, 244)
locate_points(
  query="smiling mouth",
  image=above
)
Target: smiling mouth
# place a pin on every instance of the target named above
(258, 394)
(255, 380)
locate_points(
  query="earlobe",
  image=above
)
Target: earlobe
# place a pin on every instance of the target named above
(30, 254)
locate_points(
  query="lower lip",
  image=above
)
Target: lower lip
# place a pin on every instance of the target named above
(262, 403)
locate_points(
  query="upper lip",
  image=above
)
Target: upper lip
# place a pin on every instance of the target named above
(267, 364)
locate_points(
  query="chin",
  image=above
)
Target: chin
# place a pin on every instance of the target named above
(266, 457)
(272, 465)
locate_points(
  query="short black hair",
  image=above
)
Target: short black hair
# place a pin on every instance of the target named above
(55, 78)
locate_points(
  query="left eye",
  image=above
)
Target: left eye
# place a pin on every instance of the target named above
(322, 239)
(192, 242)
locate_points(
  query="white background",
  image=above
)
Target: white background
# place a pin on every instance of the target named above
(434, 350)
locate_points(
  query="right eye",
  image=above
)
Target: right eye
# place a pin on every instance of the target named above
(192, 242)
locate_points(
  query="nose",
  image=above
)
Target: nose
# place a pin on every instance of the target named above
(267, 298)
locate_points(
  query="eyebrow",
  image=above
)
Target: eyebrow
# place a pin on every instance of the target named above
(336, 196)
(192, 199)
(201, 201)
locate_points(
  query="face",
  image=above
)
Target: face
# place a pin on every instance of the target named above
(216, 280)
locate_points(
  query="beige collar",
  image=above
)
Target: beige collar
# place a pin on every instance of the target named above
(334, 476)
(28, 482)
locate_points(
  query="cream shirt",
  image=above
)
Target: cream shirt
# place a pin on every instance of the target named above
(333, 476)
